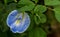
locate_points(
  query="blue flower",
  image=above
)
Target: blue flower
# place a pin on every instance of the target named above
(18, 21)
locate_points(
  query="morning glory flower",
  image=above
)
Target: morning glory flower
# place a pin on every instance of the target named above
(18, 21)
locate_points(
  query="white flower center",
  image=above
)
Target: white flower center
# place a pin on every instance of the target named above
(17, 22)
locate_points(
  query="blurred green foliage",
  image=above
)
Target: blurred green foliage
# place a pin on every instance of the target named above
(52, 2)
(36, 11)
(57, 12)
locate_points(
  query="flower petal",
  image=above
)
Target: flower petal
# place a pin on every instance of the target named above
(18, 22)
(26, 24)
(11, 17)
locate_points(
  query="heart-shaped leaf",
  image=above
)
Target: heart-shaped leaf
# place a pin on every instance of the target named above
(57, 13)
(52, 2)
(26, 5)
(40, 9)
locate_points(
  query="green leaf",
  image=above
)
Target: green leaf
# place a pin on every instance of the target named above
(57, 13)
(52, 2)
(43, 18)
(35, 1)
(37, 32)
(40, 9)
(37, 19)
(24, 2)
(27, 8)
(26, 5)
(31, 24)
(31, 33)
(40, 18)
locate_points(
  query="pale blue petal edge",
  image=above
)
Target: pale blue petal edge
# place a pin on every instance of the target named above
(24, 28)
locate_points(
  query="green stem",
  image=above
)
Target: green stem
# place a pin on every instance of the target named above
(15, 0)
(5, 2)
